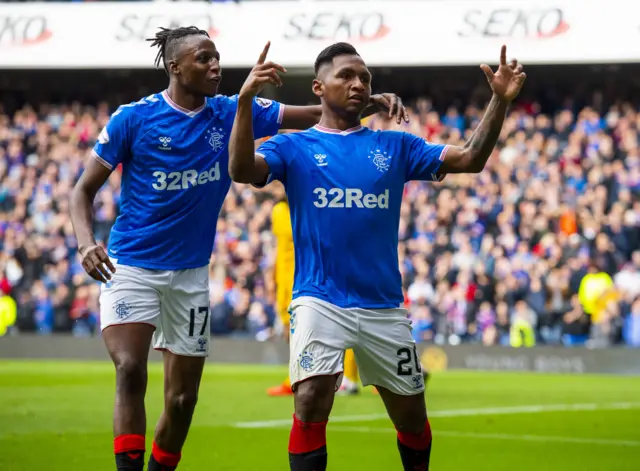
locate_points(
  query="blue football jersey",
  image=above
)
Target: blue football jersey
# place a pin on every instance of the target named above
(345, 190)
(174, 176)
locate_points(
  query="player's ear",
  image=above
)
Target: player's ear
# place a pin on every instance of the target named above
(317, 88)
(173, 67)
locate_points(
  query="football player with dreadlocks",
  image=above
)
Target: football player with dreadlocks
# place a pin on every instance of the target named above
(173, 148)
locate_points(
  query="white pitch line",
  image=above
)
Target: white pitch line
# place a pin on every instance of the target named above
(529, 409)
(499, 436)
(287, 422)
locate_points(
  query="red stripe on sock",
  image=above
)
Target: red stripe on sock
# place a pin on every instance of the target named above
(417, 441)
(165, 458)
(307, 436)
(124, 443)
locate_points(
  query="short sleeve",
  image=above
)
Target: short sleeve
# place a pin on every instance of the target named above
(114, 142)
(267, 117)
(423, 158)
(272, 151)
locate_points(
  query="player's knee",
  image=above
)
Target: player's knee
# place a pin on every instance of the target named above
(131, 375)
(413, 421)
(181, 404)
(314, 398)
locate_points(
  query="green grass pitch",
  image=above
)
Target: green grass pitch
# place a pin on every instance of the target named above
(56, 416)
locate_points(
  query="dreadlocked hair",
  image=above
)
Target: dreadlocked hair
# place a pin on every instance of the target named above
(166, 38)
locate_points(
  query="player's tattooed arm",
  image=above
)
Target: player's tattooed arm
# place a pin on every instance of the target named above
(472, 157)
(94, 258)
(244, 167)
(304, 117)
(506, 83)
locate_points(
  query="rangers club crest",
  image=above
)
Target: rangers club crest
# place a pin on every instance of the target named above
(122, 309)
(305, 359)
(215, 137)
(380, 159)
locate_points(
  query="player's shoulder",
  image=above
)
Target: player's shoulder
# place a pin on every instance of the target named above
(399, 142)
(260, 101)
(226, 106)
(223, 105)
(283, 139)
(305, 135)
(140, 108)
(394, 136)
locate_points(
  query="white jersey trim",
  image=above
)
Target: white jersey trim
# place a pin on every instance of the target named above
(175, 106)
(101, 160)
(339, 132)
(443, 154)
(281, 113)
(269, 177)
(438, 177)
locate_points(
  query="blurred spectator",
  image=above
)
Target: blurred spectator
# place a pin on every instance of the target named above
(522, 332)
(598, 295)
(503, 324)
(575, 325)
(8, 308)
(84, 309)
(485, 324)
(422, 323)
(43, 314)
(632, 327)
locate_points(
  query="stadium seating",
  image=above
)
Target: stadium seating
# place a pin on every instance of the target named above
(479, 253)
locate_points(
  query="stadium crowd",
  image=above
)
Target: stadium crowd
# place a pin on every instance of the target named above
(511, 256)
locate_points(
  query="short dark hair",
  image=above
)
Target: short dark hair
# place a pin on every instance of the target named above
(167, 40)
(333, 51)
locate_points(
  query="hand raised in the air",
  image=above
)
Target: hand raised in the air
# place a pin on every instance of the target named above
(508, 80)
(96, 263)
(262, 74)
(393, 104)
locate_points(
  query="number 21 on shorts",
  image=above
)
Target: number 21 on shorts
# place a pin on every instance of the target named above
(405, 360)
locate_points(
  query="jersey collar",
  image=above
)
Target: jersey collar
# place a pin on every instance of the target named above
(175, 106)
(346, 132)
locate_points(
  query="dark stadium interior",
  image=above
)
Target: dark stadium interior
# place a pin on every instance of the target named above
(550, 85)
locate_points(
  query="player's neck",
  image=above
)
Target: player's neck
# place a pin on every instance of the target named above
(341, 123)
(184, 99)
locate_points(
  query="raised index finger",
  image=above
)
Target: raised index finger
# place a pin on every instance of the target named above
(263, 54)
(503, 55)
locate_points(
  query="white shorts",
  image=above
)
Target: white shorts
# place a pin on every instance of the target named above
(175, 302)
(381, 340)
